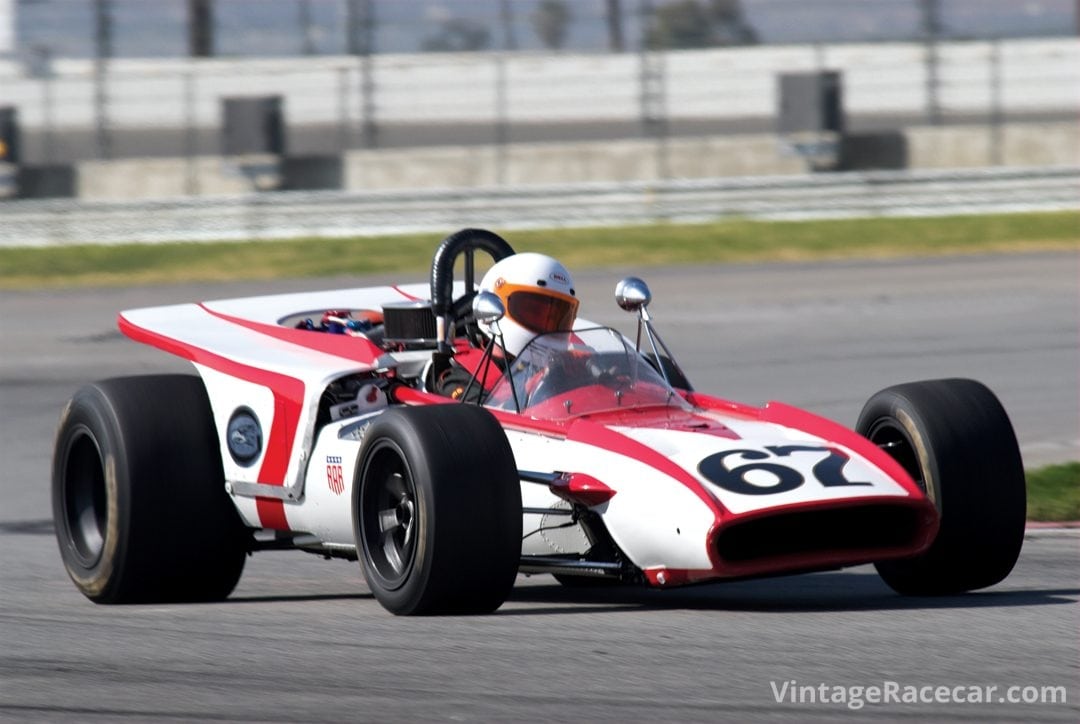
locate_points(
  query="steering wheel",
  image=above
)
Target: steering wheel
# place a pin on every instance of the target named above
(451, 313)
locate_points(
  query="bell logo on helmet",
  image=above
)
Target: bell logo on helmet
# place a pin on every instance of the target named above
(561, 278)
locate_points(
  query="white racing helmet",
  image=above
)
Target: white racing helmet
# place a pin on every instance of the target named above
(538, 295)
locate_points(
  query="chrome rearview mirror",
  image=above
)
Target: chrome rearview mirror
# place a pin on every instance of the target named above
(487, 308)
(632, 294)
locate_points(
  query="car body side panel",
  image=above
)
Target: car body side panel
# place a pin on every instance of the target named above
(326, 510)
(652, 517)
(284, 380)
(272, 308)
(228, 394)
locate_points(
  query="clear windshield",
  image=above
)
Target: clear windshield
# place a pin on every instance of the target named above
(567, 374)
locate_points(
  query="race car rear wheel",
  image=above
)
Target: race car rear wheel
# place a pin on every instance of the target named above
(955, 440)
(138, 494)
(438, 510)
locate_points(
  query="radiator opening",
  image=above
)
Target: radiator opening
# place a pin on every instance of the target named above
(858, 528)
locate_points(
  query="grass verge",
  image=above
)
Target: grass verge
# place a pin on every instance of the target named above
(651, 245)
(1054, 492)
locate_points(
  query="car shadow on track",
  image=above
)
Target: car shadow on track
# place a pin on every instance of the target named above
(43, 526)
(834, 591)
(301, 598)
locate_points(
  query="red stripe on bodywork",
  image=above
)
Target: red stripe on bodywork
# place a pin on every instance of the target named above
(288, 402)
(715, 403)
(822, 427)
(359, 349)
(830, 431)
(510, 420)
(599, 436)
(271, 513)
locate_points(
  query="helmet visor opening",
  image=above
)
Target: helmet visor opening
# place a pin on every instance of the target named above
(541, 313)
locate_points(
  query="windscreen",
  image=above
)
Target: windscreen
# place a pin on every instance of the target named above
(568, 374)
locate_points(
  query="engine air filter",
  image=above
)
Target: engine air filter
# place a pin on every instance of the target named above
(409, 324)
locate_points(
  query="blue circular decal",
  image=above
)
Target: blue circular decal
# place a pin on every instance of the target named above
(244, 436)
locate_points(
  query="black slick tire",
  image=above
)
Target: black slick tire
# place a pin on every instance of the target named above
(437, 511)
(138, 494)
(954, 438)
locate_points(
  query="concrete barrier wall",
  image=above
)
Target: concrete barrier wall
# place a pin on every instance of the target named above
(560, 163)
(1029, 144)
(159, 178)
(942, 147)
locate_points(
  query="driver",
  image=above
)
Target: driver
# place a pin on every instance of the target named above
(538, 295)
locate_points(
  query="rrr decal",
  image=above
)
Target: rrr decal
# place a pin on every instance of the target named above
(335, 477)
(765, 477)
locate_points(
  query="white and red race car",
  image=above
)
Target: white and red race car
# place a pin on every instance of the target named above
(591, 458)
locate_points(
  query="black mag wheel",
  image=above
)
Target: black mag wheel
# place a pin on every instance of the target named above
(956, 441)
(389, 512)
(138, 493)
(438, 510)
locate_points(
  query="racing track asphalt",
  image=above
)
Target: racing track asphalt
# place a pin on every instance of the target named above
(302, 640)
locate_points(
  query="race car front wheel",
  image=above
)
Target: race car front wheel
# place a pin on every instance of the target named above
(438, 510)
(955, 440)
(138, 494)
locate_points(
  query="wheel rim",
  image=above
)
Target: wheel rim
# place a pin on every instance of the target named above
(85, 499)
(390, 516)
(887, 434)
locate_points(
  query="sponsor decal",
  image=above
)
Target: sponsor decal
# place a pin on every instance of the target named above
(560, 277)
(243, 436)
(335, 477)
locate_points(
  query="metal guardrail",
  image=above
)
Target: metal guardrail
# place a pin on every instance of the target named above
(289, 214)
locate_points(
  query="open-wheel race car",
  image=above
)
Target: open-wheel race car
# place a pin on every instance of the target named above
(323, 422)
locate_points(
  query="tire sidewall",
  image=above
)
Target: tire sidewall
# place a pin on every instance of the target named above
(467, 504)
(889, 409)
(966, 451)
(169, 533)
(84, 418)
